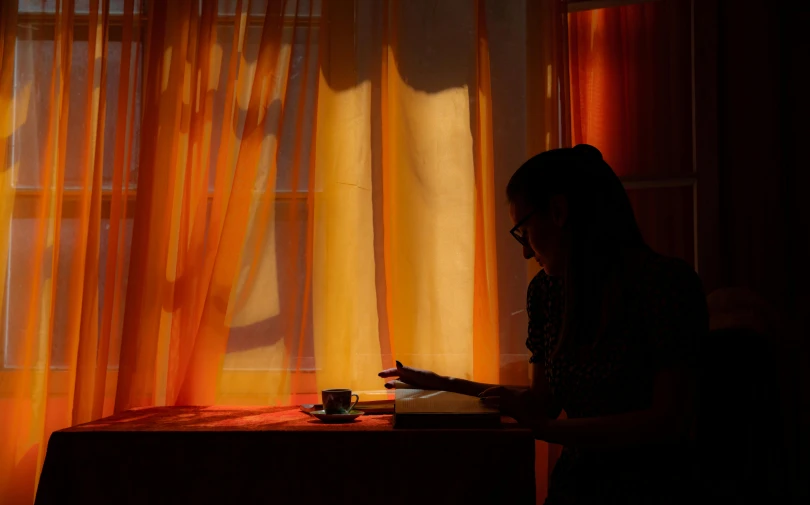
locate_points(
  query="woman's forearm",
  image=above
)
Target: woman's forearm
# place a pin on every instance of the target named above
(621, 430)
(465, 387)
(470, 388)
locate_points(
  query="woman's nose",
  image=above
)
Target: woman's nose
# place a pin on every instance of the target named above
(528, 252)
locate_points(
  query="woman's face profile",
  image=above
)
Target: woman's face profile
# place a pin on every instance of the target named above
(543, 232)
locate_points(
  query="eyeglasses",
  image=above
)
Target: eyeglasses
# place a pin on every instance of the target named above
(518, 234)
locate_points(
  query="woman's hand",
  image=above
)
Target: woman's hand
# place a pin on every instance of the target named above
(511, 401)
(420, 379)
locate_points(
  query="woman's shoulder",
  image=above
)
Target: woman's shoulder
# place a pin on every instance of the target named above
(539, 281)
(543, 283)
(542, 289)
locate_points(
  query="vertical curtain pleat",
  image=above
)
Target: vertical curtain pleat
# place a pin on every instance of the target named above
(301, 246)
(136, 374)
(86, 260)
(486, 350)
(23, 428)
(113, 264)
(10, 423)
(428, 177)
(345, 324)
(8, 39)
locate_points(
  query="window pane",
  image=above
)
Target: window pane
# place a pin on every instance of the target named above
(259, 7)
(294, 134)
(18, 286)
(24, 232)
(123, 255)
(631, 85)
(32, 81)
(81, 6)
(114, 50)
(666, 219)
(258, 345)
(31, 105)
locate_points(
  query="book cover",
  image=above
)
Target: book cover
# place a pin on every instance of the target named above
(418, 408)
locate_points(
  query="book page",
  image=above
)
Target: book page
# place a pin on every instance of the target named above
(419, 401)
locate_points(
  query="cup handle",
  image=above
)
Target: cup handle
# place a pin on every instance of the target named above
(355, 402)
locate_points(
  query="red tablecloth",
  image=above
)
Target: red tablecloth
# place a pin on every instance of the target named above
(280, 455)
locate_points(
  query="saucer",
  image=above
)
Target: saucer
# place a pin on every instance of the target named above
(310, 407)
(336, 418)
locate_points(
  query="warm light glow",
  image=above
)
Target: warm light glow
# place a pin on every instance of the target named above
(166, 71)
(14, 112)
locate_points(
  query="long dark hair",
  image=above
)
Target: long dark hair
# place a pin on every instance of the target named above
(599, 230)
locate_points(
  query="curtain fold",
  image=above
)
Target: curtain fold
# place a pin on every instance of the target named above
(345, 322)
(13, 405)
(119, 194)
(85, 263)
(486, 338)
(8, 39)
(27, 385)
(246, 201)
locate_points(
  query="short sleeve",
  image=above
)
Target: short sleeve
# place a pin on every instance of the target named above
(535, 303)
(677, 317)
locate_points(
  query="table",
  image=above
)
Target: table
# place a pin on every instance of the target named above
(280, 455)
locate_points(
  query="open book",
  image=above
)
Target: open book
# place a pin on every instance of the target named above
(418, 408)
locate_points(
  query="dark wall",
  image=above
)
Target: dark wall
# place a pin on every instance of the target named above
(762, 129)
(763, 114)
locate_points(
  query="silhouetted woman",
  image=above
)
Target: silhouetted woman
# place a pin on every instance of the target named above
(613, 332)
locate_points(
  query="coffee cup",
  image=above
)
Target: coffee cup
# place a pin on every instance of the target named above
(338, 401)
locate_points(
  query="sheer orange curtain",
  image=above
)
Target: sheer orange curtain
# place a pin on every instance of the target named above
(148, 156)
(208, 260)
(51, 234)
(8, 405)
(245, 201)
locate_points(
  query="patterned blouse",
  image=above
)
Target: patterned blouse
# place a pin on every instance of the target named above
(664, 316)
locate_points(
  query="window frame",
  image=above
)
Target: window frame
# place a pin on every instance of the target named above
(590, 5)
